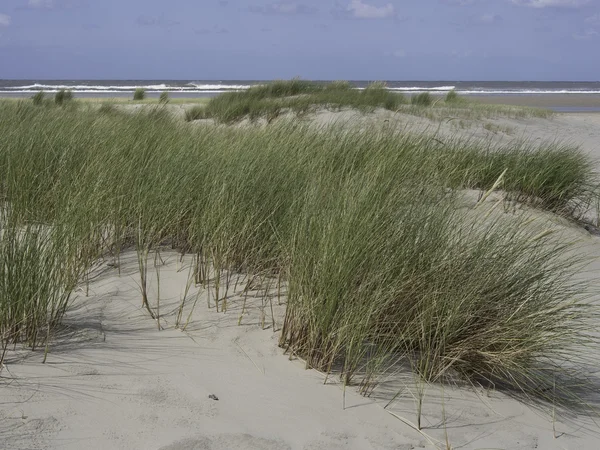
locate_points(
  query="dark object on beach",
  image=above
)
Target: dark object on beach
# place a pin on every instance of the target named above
(213, 397)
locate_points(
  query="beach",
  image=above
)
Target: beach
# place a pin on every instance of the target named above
(116, 378)
(561, 102)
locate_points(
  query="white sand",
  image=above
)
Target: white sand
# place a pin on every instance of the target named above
(114, 381)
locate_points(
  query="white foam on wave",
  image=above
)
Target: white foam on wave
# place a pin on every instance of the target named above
(236, 87)
(116, 88)
(422, 89)
(527, 91)
(218, 88)
(83, 91)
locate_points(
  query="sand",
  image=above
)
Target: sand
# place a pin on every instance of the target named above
(113, 380)
(542, 101)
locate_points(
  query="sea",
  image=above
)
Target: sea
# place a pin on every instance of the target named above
(207, 88)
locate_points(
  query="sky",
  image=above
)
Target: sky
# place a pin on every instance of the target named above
(314, 39)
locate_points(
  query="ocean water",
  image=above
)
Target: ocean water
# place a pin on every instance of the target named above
(191, 88)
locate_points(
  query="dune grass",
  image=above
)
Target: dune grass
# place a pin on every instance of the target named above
(38, 98)
(452, 97)
(139, 94)
(195, 113)
(63, 96)
(382, 261)
(300, 97)
(422, 99)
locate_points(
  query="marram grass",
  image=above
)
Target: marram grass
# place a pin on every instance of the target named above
(299, 97)
(367, 229)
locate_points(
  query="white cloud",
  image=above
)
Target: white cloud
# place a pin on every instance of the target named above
(151, 21)
(459, 2)
(285, 7)
(551, 3)
(40, 4)
(585, 35)
(490, 18)
(593, 20)
(4, 20)
(361, 10)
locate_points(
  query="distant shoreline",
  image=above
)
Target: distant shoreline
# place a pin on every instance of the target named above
(556, 102)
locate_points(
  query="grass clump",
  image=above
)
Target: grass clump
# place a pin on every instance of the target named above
(164, 98)
(422, 99)
(283, 88)
(38, 98)
(299, 97)
(107, 108)
(37, 278)
(553, 177)
(452, 96)
(339, 85)
(139, 94)
(194, 113)
(63, 96)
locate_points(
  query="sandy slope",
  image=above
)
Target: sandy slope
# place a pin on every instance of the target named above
(580, 129)
(123, 384)
(114, 381)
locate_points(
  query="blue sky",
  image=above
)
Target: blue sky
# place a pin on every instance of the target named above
(327, 39)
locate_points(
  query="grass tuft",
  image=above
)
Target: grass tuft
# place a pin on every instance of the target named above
(139, 94)
(299, 97)
(164, 98)
(38, 98)
(63, 96)
(422, 99)
(452, 96)
(194, 113)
